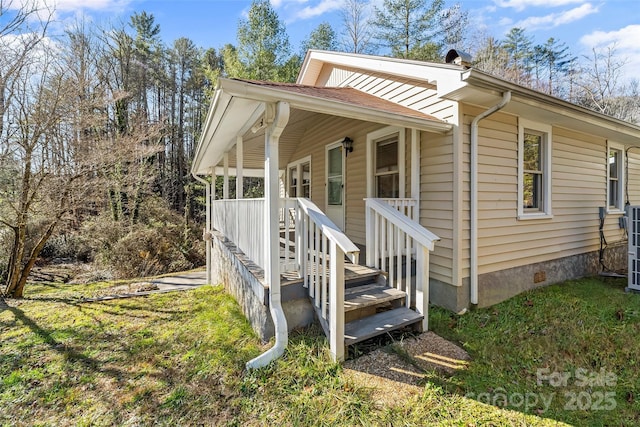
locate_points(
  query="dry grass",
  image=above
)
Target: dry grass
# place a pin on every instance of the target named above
(178, 359)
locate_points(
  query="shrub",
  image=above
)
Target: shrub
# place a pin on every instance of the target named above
(71, 246)
(159, 242)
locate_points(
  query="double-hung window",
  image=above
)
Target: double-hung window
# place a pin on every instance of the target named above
(615, 177)
(300, 178)
(387, 170)
(534, 170)
(385, 156)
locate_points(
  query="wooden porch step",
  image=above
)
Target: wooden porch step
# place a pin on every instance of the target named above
(357, 275)
(370, 295)
(368, 327)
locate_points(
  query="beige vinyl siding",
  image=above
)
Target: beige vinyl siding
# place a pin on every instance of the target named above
(436, 200)
(322, 130)
(415, 94)
(578, 188)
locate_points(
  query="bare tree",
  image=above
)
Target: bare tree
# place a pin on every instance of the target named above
(600, 85)
(357, 34)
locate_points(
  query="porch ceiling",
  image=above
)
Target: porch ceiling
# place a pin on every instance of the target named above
(253, 150)
(239, 105)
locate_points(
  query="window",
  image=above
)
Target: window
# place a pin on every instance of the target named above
(385, 160)
(615, 177)
(387, 172)
(534, 165)
(299, 178)
(532, 171)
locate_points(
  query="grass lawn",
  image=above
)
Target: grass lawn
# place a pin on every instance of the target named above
(178, 359)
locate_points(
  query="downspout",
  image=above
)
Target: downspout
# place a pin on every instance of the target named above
(277, 117)
(506, 97)
(206, 234)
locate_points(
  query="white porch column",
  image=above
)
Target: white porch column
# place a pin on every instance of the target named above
(276, 117)
(415, 172)
(225, 181)
(239, 167)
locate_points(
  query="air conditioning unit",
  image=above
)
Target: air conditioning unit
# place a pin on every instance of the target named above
(633, 274)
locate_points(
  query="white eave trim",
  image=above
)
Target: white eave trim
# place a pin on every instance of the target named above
(420, 70)
(232, 92)
(533, 98)
(332, 107)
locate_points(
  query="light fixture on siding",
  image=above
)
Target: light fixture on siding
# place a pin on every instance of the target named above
(347, 144)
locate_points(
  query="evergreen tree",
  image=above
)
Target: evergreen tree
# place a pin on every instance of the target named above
(263, 45)
(410, 28)
(517, 44)
(323, 37)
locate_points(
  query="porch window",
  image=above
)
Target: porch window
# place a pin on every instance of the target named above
(386, 163)
(299, 178)
(535, 170)
(615, 174)
(387, 172)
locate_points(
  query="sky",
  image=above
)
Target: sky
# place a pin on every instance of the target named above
(581, 24)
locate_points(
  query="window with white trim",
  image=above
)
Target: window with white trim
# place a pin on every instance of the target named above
(299, 180)
(615, 177)
(385, 159)
(534, 170)
(387, 170)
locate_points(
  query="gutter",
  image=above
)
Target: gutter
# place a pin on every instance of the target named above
(506, 97)
(206, 235)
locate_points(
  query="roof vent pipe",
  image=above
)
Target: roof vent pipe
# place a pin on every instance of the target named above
(458, 57)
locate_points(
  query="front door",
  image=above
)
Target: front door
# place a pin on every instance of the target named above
(335, 184)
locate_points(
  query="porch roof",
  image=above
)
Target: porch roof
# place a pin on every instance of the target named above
(238, 107)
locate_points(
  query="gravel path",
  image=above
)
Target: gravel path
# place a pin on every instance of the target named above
(399, 371)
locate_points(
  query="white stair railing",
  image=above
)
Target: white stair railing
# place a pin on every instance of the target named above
(394, 240)
(321, 249)
(408, 207)
(318, 247)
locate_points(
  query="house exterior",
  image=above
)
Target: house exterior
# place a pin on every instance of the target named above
(507, 184)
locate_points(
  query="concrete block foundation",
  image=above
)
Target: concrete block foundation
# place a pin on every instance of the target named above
(245, 281)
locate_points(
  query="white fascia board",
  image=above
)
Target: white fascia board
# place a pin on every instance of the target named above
(206, 135)
(628, 131)
(230, 116)
(420, 70)
(331, 107)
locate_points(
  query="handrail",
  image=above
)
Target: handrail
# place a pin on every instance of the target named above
(329, 229)
(321, 248)
(394, 243)
(406, 224)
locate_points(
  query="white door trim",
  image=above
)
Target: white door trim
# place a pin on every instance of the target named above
(335, 213)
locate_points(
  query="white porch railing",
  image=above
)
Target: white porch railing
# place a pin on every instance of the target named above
(394, 240)
(242, 222)
(407, 207)
(311, 244)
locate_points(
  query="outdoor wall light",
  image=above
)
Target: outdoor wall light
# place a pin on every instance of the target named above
(347, 144)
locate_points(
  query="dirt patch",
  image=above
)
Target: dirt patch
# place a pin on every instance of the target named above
(398, 371)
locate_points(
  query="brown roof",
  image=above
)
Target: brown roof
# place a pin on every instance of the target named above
(346, 95)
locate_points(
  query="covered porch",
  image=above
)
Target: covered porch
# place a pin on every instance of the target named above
(305, 235)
